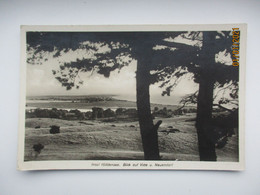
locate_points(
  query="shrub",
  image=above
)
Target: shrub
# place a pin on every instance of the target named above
(55, 129)
(38, 147)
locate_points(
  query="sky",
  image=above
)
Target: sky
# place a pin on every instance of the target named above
(41, 81)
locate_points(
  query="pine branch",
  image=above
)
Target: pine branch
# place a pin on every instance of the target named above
(220, 106)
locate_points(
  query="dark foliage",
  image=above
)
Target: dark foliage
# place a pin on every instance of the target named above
(55, 129)
(166, 66)
(38, 147)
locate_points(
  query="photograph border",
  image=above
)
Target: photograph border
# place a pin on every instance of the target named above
(134, 164)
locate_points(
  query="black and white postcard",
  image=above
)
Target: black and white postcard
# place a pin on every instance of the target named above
(132, 97)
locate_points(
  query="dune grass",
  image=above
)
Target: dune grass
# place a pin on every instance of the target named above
(97, 140)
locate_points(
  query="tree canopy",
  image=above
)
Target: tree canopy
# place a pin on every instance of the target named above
(109, 51)
(162, 57)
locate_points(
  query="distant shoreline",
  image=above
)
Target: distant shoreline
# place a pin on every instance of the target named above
(87, 102)
(155, 100)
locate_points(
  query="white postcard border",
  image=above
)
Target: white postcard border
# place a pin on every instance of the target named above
(112, 164)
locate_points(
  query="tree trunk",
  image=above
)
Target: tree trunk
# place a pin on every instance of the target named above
(205, 100)
(149, 132)
(203, 124)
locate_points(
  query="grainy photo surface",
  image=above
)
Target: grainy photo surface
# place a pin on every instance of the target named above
(132, 97)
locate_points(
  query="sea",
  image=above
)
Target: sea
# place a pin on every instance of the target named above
(154, 99)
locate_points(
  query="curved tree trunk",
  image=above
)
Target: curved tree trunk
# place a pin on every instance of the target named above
(205, 100)
(149, 132)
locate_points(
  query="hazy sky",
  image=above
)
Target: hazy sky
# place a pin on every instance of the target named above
(41, 81)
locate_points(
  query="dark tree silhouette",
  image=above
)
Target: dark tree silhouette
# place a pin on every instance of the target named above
(209, 74)
(153, 65)
(116, 48)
